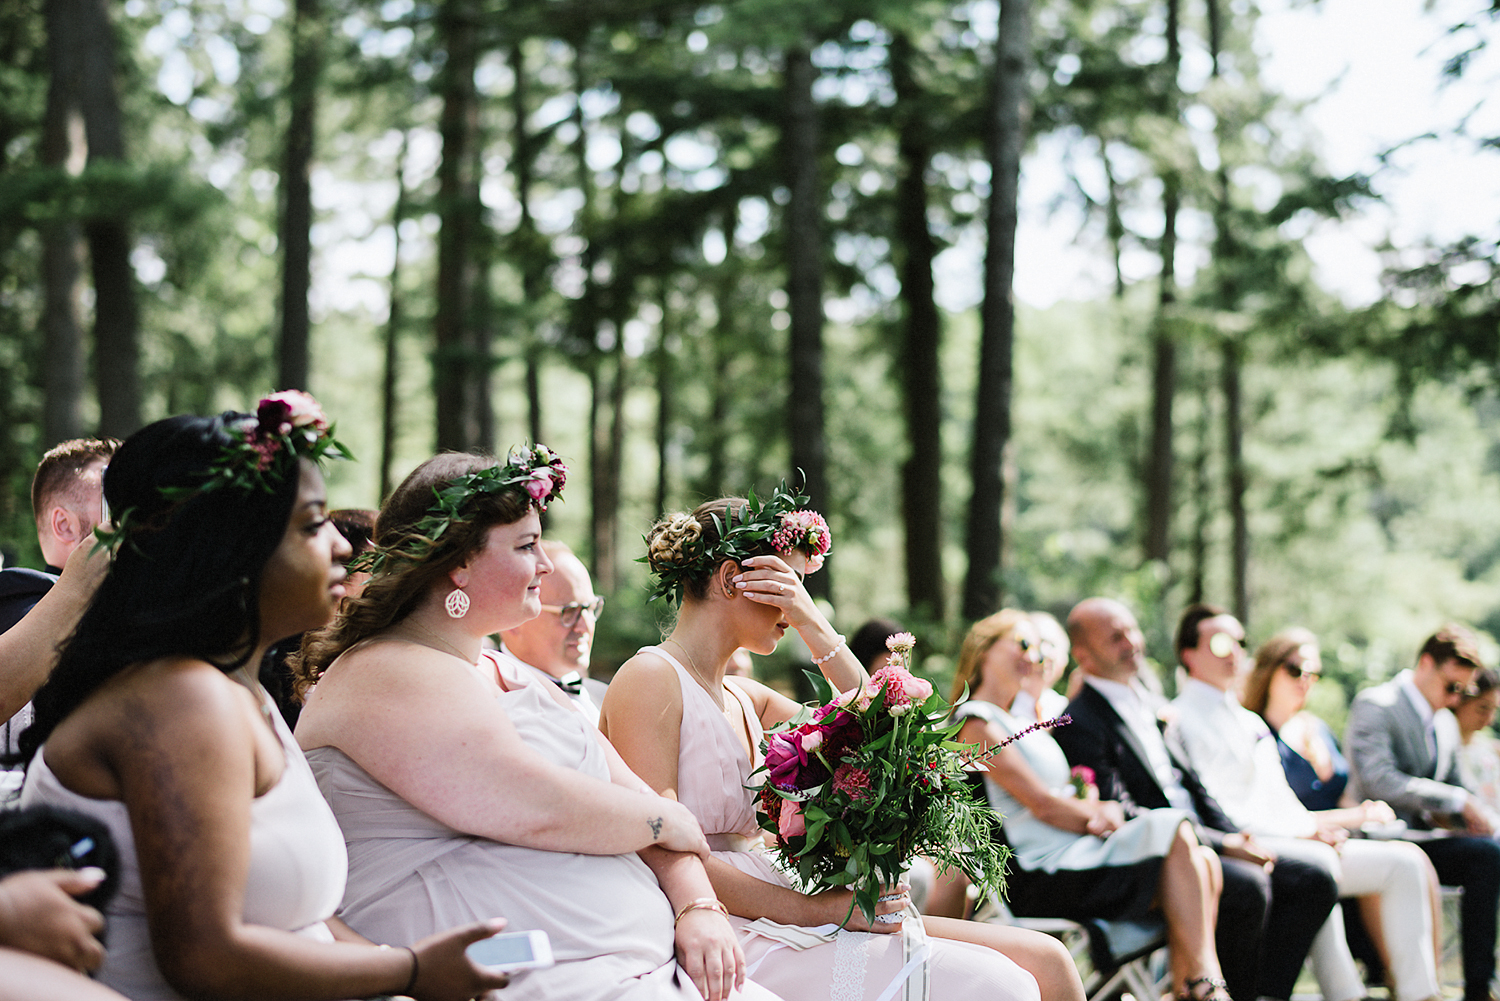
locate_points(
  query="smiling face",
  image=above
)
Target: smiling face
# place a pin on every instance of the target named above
(561, 638)
(504, 579)
(303, 580)
(1011, 660)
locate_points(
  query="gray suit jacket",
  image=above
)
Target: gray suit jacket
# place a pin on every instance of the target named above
(1389, 758)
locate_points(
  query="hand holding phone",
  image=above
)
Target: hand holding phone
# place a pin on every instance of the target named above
(512, 951)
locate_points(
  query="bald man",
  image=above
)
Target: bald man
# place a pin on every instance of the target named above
(556, 645)
(1270, 910)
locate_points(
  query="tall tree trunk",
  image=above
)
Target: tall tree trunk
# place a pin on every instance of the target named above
(800, 141)
(64, 357)
(1114, 221)
(390, 401)
(921, 488)
(609, 561)
(1004, 139)
(116, 314)
(530, 247)
(1234, 460)
(665, 403)
(296, 193)
(1202, 499)
(458, 209)
(1158, 540)
(722, 347)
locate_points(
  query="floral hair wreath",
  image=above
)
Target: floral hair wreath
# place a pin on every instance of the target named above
(263, 451)
(535, 470)
(783, 520)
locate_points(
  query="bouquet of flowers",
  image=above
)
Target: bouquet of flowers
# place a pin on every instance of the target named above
(854, 789)
(1081, 778)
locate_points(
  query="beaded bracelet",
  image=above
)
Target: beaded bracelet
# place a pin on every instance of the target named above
(820, 661)
(700, 904)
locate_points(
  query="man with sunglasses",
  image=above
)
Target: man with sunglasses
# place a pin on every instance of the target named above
(1402, 742)
(557, 643)
(1235, 753)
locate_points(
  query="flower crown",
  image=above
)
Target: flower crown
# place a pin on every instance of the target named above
(783, 520)
(534, 470)
(263, 451)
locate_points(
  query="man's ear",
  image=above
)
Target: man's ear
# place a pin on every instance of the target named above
(66, 527)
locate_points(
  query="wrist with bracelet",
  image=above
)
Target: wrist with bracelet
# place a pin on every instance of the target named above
(820, 661)
(700, 904)
(411, 981)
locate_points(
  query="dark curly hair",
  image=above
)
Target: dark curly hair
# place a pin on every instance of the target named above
(185, 582)
(394, 592)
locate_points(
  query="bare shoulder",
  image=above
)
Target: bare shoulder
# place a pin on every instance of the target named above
(645, 686)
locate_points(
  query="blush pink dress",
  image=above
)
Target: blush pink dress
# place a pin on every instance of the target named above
(712, 775)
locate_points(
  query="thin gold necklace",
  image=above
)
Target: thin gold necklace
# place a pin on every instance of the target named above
(446, 647)
(719, 701)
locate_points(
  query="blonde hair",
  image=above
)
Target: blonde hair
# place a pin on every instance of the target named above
(982, 635)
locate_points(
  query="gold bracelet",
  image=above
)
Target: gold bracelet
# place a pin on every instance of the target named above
(701, 904)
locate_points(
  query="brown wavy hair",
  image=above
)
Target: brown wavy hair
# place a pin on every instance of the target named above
(982, 635)
(1273, 653)
(395, 592)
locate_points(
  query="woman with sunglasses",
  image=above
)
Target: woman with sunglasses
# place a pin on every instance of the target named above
(1076, 856)
(1395, 884)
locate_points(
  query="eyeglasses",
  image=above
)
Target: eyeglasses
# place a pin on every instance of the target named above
(1458, 688)
(1223, 644)
(570, 612)
(1296, 671)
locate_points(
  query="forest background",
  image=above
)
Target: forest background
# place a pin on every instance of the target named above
(692, 246)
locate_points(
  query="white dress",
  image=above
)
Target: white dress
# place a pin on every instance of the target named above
(296, 877)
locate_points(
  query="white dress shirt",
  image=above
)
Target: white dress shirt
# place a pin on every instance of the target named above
(1235, 755)
(1133, 703)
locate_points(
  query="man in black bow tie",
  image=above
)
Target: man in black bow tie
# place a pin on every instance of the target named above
(557, 643)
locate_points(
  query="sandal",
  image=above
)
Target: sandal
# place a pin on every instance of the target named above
(1204, 989)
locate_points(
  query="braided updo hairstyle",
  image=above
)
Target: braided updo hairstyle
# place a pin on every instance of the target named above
(677, 546)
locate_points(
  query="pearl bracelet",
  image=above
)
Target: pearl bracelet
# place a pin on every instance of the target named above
(820, 661)
(700, 904)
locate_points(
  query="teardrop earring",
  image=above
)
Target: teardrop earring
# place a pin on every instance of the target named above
(457, 603)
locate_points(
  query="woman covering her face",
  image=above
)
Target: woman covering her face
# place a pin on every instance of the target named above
(694, 733)
(153, 721)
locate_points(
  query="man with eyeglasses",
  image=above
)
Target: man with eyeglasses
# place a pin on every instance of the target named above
(1236, 755)
(1269, 911)
(557, 643)
(1402, 742)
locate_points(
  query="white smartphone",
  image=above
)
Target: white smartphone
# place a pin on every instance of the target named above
(512, 951)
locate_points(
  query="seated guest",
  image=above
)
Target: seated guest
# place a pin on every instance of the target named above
(1038, 698)
(1236, 755)
(1268, 914)
(1075, 855)
(692, 733)
(48, 939)
(153, 722)
(1286, 667)
(556, 645)
(1402, 743)
(1479, 753)
(67, 502)
(465, 785)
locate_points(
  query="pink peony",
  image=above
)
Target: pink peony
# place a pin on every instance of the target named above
(540, 484)
(791, 823)
(901, 686)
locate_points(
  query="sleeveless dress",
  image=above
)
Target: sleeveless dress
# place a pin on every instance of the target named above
(712, 777)
(296, 877)
(1314, 792)
(411, 875)
(1058, 874)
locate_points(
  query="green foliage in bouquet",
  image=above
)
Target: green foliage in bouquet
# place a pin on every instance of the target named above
(856, 787)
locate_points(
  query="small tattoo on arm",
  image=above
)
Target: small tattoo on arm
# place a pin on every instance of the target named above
(655, 828)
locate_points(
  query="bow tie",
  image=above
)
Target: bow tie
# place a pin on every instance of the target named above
(572, 682)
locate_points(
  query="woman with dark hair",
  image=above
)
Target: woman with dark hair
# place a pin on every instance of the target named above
(154, 723)
(466, 786)
(1479, 752)
(1076, 856)
(695, 734)
(1395, 883)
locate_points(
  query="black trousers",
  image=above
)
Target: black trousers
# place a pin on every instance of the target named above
(1267, 922)
(1474, 864)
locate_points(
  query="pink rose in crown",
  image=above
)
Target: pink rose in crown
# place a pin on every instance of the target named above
(540, 484)
(791, 822)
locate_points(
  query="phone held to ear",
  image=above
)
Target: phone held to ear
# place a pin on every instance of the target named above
(509, 952)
